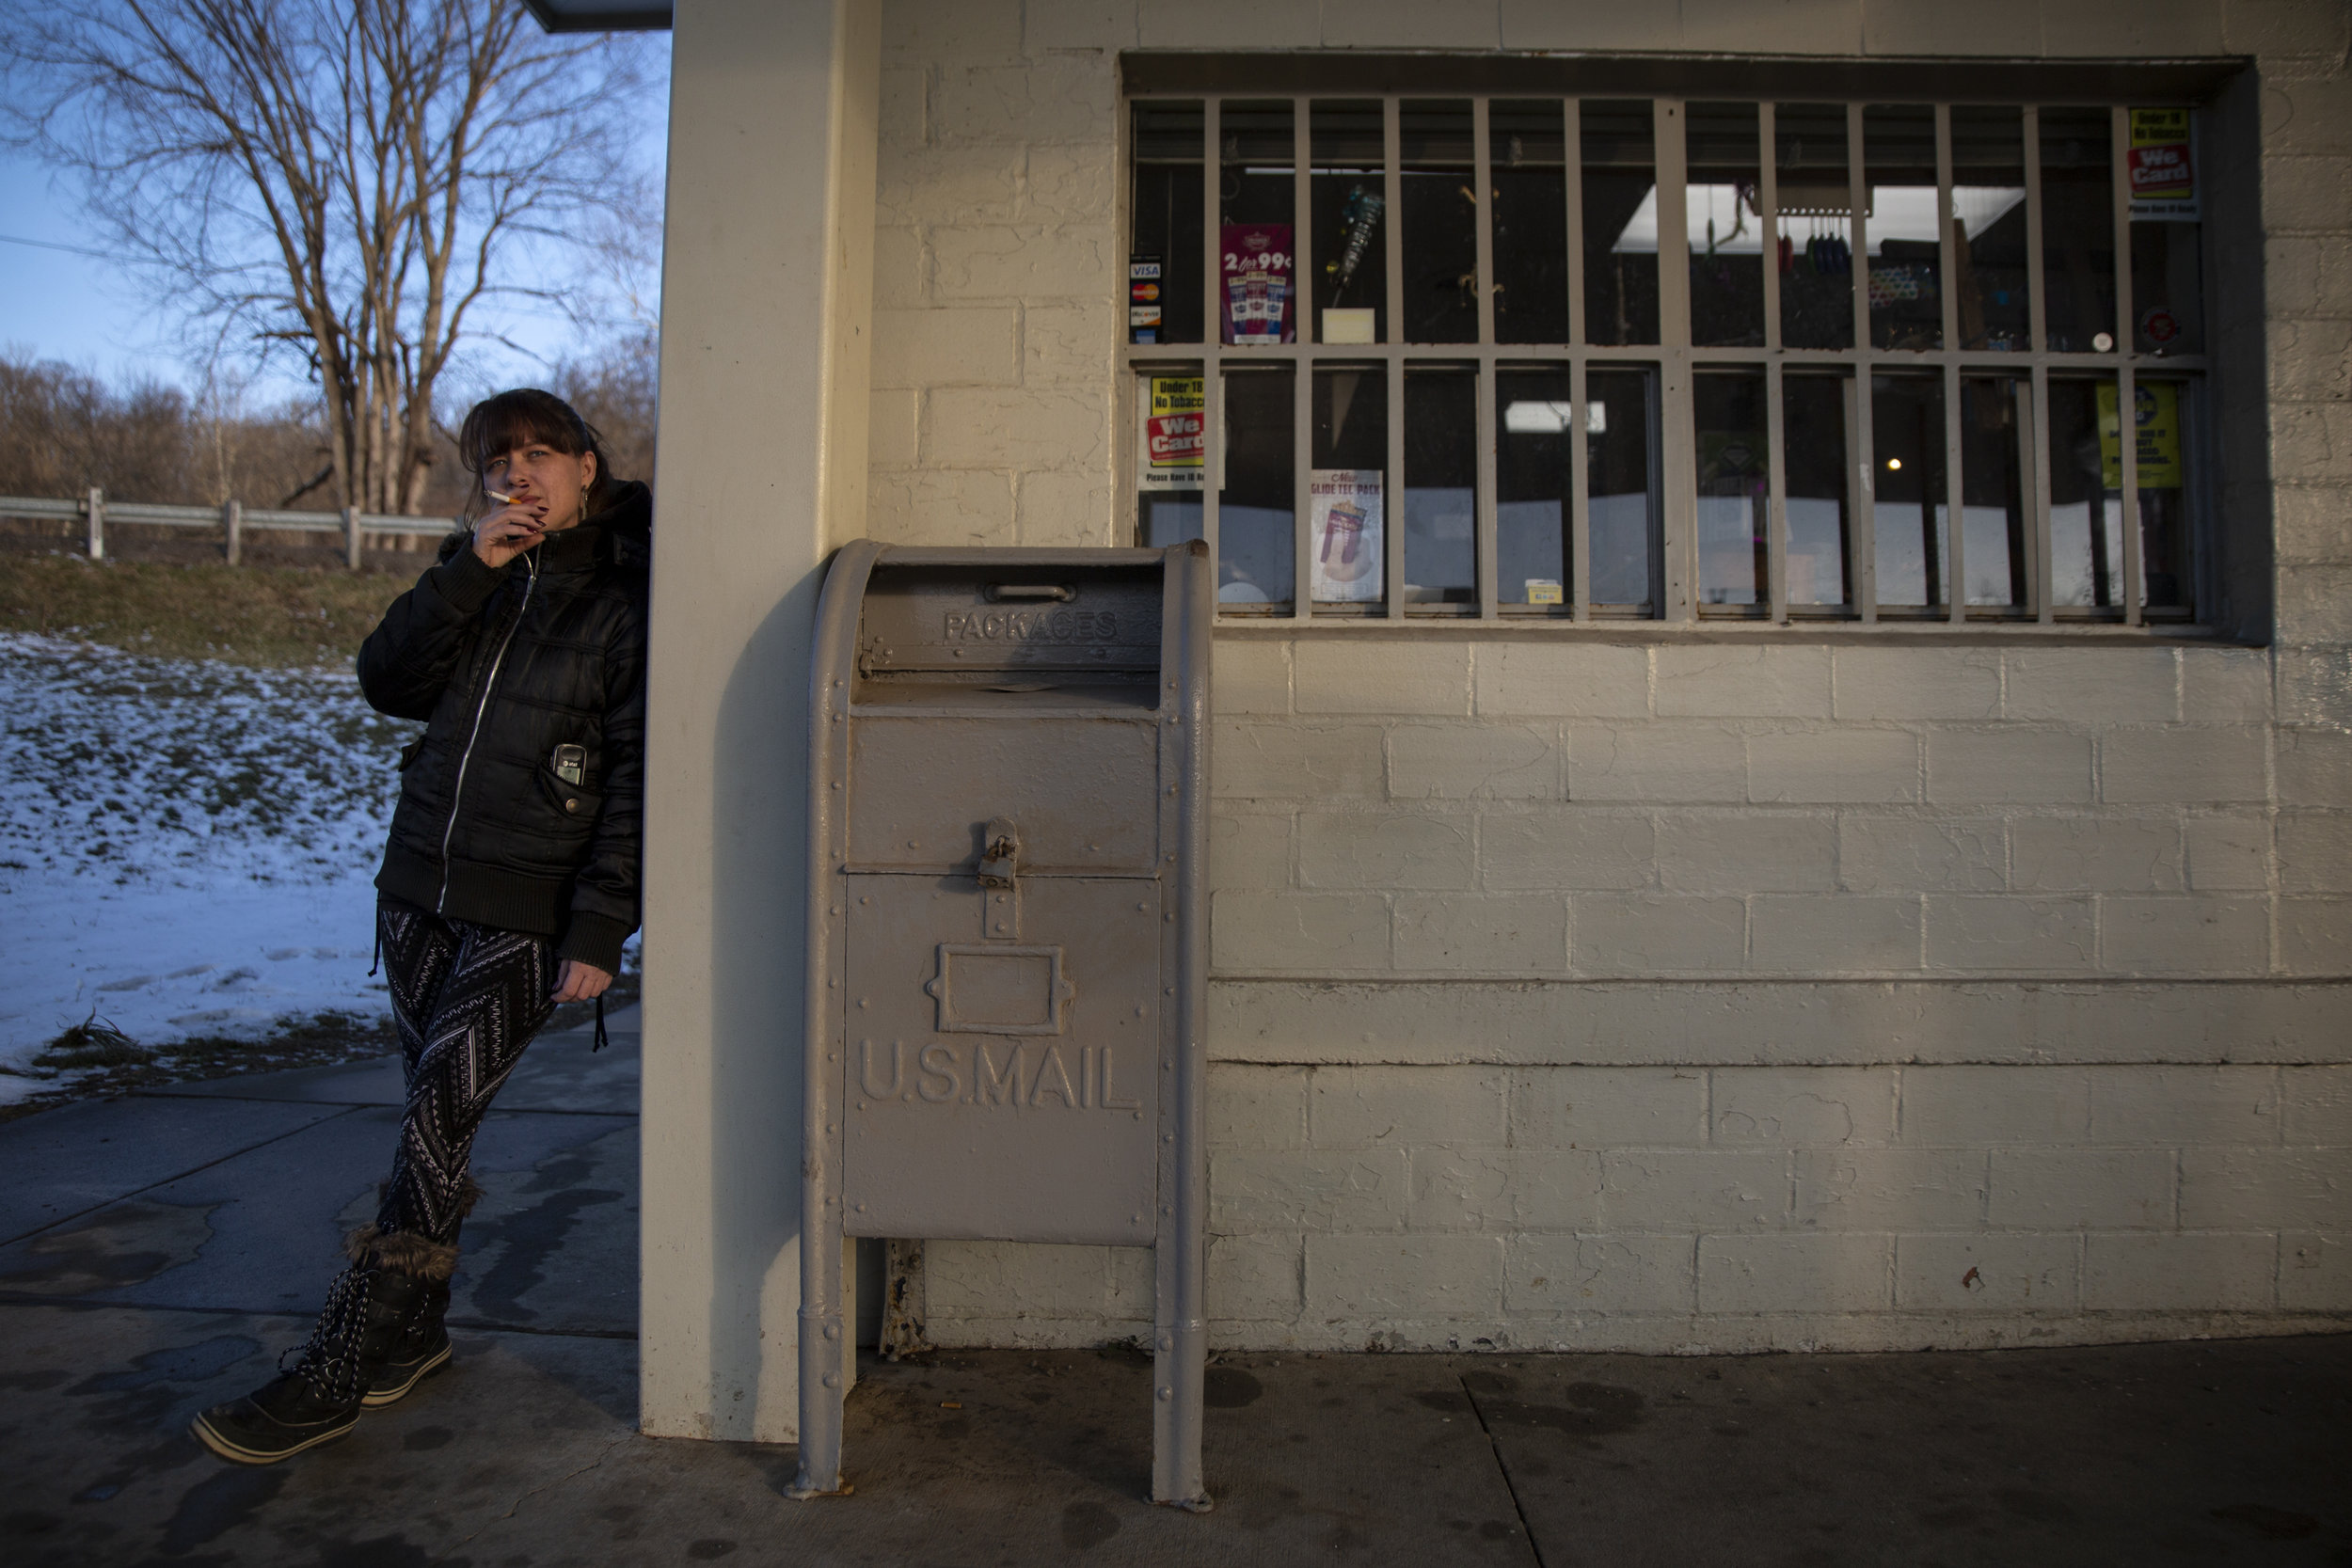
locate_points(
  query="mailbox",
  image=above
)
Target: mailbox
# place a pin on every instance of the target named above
(1008, 933)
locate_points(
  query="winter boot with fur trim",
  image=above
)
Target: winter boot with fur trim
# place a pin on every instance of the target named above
(424, 1348)
(319, 1401)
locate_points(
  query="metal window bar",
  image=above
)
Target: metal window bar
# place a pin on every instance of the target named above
(2038, 323)
(2033, 428)
(2126, 340)
(1483, 533)
(1678, 426)
(1776, 499)
(1673, 449)
(1580, 519)
(1393, 234)
(1863, 537)
(1777, 506)
(1212, 366)
(1947, 266)
(1303, 381)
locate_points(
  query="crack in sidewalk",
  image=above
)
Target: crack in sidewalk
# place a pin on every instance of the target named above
(1503, 1464)
(516, 1507)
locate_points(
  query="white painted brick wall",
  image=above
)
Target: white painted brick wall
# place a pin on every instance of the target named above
(1639, 1275)
(2014, 936)
(2017, 1272)
(2036, 766)
(1747, 852)
(1888, 1189)
(1833, 934)
(1720, 682)
(1579, 850)
(1466, 761)
(1481, 933)
(1656, 992)
(1807, 1272)
(1382, 850)
(1918, 683)
(2181, 1271)
(1378, 1280)
(1729, 1207)
(1921, 854)
(2227, 853)
(1657, 761)
(2095, 854)
(1544, 680)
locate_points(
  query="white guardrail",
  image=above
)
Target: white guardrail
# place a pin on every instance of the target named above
(232, 519)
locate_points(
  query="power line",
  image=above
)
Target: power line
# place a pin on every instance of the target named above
(53, 245)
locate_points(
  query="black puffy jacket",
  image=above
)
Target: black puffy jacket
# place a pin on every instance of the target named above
(504, 666)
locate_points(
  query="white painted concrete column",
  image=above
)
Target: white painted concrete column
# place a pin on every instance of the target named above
(767, 296)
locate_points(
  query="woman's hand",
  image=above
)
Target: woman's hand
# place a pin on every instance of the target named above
(578, 982)
(506, 534)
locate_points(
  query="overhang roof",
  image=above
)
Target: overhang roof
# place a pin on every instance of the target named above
(601, 16)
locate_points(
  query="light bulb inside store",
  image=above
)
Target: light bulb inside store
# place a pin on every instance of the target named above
(1894, 463)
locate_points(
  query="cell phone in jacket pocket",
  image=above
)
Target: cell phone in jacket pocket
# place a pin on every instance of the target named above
(571, 764)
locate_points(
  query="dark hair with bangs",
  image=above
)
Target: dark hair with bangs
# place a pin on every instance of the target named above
(498, 424)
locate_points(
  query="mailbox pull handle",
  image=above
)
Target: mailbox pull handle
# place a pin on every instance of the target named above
(1000, 853)
(998, 590)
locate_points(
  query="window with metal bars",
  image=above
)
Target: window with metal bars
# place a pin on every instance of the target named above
(1581, 359)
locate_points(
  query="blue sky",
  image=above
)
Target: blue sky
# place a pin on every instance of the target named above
(83, 309)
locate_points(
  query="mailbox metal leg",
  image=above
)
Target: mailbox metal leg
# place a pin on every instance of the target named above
(1178, 1367)
(823, 1334)
(828, 1361)
(820, 1403)
(1181, 1341)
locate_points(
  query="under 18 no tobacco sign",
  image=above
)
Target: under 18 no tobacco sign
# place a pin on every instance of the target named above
(2162, 166)
(1174, 439)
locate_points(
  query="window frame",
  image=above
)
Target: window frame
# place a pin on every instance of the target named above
(1676, 361)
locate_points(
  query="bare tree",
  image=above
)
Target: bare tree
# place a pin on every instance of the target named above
(617, 390)
(348, 179)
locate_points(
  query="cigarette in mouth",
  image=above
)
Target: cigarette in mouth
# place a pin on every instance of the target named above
(498, 495)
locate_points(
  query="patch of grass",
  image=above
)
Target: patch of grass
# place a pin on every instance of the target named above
(276, 616)
(104, 1061)
(312, 1040)
(93, 1043)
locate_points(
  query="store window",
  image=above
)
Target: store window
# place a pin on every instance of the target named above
(1433, 357)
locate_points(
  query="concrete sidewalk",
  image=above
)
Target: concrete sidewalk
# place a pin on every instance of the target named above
(158, 1252)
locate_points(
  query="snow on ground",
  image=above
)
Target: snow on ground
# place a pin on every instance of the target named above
(186, 846)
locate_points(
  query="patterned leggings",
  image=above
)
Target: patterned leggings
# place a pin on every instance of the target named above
(466, 999)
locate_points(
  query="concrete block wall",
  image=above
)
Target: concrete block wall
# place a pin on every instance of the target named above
(1667, 1208)
(1422, 809)
(1662, 996)
(999, 293)
(1682, 991)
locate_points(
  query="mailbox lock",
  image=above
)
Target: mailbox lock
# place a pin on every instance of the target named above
(1000, 855)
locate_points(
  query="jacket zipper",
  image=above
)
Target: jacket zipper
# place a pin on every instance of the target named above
(457, 795)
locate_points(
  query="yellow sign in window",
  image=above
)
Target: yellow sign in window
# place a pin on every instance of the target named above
(1174, 437)
(2157, 418)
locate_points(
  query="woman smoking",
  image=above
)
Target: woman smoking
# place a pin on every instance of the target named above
(510, 880)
